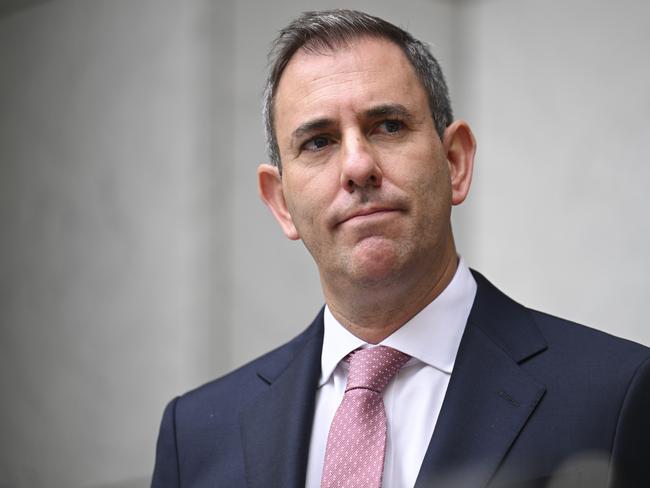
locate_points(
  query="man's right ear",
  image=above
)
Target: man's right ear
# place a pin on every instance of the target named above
(271, 192)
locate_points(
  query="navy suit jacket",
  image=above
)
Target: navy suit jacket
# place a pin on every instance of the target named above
(533, 401)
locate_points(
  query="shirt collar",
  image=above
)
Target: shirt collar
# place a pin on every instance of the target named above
(431, 336)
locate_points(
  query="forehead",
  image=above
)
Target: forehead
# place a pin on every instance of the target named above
(349, 79)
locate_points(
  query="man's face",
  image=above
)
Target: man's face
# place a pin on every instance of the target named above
(366, 181)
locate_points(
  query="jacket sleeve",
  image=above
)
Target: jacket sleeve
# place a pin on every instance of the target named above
(166, 471)
(631, 449)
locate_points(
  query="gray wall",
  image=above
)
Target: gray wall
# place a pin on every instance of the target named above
(115, 188)
(137, 262)
(559, 96)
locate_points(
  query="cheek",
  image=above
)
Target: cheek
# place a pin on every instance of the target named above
(425, 172)
(431, 188)
(436, 171)
(304, 207)
(309, 194)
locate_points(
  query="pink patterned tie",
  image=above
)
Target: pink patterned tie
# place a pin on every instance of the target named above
(354, 457)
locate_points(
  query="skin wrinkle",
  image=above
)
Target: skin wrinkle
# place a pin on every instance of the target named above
(316, 126)
(328, 82)
(350, 76)
(320, 83)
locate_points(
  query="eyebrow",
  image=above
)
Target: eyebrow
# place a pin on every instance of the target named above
(311, 126)
(388, 110)
(383, 110)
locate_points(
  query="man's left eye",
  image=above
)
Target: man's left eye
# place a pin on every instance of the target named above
(391, 126)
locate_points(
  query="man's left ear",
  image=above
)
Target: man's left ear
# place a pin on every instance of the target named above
(460, 148)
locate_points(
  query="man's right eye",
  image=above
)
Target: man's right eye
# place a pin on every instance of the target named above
(316, 143)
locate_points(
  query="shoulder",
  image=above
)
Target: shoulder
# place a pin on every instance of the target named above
(512, 324)
(599, 346)
(224, 396)
(200, 432)
(602, 383)
(596, 363)
(578, 360)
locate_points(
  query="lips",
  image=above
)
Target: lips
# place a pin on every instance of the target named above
(366, 212)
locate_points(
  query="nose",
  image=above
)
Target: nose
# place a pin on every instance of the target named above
(360, 168)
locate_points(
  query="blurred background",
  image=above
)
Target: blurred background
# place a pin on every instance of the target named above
(137, 262)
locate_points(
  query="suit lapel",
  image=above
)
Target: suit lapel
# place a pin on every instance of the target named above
(276, 427)
(490, 396)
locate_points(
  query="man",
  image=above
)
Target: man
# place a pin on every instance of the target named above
(466, 387)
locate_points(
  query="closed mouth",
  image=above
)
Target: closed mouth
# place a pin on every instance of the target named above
(366, 213)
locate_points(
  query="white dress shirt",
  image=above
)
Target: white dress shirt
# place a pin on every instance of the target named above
(413, 398)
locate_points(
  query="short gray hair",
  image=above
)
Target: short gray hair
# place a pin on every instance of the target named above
(328, 30)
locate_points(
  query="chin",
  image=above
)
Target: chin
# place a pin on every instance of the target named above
(375, 261)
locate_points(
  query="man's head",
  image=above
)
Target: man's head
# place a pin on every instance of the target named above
(328, 30)
(367, 180)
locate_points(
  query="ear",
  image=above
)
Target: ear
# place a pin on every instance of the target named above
(460, 146)
(272, 194)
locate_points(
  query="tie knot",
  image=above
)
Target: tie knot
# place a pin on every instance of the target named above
(373, 368)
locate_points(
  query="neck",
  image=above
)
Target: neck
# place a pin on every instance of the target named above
(374, 313)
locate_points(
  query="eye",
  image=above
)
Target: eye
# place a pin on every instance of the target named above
(316, 143)
(391, 126)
